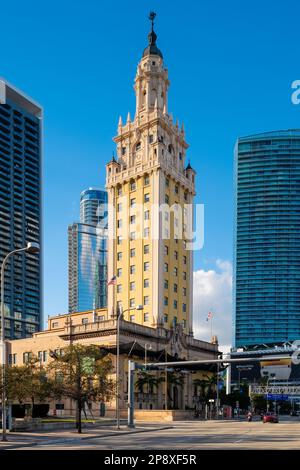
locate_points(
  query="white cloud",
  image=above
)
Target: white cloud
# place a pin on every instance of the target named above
(213, 293)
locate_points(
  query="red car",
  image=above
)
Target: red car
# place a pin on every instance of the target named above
(270, 418)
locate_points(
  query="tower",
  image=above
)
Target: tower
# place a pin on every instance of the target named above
(149, 190)
(87, 253)
(21, 121)
(266, 307)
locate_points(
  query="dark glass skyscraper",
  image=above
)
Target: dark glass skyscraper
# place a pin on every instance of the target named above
(87, 242)
(267, 239)
(20, 209)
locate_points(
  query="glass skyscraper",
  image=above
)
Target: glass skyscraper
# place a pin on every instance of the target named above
(87, 242)
(93, 207)
(20, 209)
(267, 239)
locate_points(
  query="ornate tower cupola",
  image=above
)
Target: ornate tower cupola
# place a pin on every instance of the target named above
(151, 81)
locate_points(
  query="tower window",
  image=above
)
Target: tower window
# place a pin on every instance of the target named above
(146, 249)
(146, 317)
(123, 150)
(132, 286)
(147, 197)
(132, 269)
(146, 266)
(132, 253)
(138, 146)
(146, 300)
(153, 63)
(132, 186)
(151, 138)
(146, 283)
(146, 180)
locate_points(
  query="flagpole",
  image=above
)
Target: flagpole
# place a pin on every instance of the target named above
(211, 328)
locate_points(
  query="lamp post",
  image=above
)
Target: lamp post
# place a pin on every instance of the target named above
(271, 376)
(147, 346)
(30, 248)
(138, 307)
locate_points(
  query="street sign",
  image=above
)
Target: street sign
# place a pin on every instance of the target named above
(277, 396)
(274, 389)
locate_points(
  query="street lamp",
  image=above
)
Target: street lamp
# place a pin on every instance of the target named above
(271, 376)
(147, 346)
(138, 307)
(31, 247)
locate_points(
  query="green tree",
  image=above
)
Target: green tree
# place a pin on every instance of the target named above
(82, 373)
(27, 383)
(259, 402)
(145, 378)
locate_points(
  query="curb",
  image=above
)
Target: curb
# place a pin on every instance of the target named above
(72, 439)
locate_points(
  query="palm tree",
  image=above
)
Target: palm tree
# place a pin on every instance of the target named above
(207, 385)
(145, 378)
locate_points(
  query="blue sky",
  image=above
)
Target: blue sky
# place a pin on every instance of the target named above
(231, 65)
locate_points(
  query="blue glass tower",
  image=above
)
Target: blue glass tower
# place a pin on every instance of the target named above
(21, 209)
(267, 239)
(93, 207)
(88, 253)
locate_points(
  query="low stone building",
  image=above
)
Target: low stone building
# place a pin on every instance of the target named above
(137, 342)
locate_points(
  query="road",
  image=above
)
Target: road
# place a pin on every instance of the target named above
(186, 435)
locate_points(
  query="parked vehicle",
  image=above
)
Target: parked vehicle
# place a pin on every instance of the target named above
(270, 418)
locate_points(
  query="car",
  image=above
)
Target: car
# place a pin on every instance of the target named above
(270, 418)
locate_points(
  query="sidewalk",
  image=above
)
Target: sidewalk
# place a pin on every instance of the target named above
(18, 440)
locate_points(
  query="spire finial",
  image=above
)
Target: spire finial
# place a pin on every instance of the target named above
(152, 16)
(152, 48)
